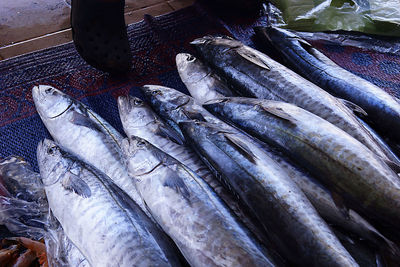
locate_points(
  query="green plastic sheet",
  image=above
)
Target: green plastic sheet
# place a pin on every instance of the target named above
(381, 17)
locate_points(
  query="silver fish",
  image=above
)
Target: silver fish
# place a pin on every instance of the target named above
(189, 211)
(84, 134)
(254, 74)
(290, 219)
(138, 119)
(203, 84)
(369, 187)
(98, 217)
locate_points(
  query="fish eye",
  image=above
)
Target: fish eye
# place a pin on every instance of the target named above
(141, 143)
(48, 90)
(51, 150)
(138, 102)
(190, 58)
(156, 92)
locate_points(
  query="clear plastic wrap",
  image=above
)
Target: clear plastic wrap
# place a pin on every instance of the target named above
(382, 44)
(24, 211)
(380, 17)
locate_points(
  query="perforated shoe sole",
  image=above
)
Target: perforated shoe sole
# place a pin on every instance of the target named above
(99, 34)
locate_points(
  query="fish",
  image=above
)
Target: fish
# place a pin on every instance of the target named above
(202, 83)
(205, 86)
(189, 211)
(370, 187)
(381, 108)
(81, 132)
(138, 119)
(100, 219)
(293, 224)
(254, 74)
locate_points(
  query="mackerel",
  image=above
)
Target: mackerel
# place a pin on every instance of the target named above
(254, 74)
(106, 225)
(289, 218)
(370, 186)
(189, 211)
(381, 108)
(83, 133)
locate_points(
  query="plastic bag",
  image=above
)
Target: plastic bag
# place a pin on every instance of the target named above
(380, 17)
(24, 211)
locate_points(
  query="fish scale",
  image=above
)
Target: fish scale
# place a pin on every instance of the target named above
(261, 77)
(107, 227)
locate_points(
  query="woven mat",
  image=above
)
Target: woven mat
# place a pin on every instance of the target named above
(154, 43)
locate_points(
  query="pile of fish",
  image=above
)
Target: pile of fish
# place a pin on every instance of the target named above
(258, 167)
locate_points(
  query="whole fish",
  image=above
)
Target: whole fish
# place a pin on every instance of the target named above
(382, 109)
(138, 119)
(106, 225)
(370, 186)
(84, 134)
(178, 107)
(189, 211)
(254, 74)
(292, 222)
(203, 84)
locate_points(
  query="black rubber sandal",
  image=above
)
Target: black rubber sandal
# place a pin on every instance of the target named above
(99, 34)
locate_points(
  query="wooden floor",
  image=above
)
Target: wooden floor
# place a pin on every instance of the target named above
(30, 25)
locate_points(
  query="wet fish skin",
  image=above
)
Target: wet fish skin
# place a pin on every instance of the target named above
(138, 119)
(203, 84)
(203, 87)
(371, 187)
(253, 74)
(83, 133)
(292, 222)
(99, 218)
(189, 211)
(382, 109)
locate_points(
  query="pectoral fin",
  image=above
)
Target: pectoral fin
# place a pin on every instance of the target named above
(355, 108)
(253, 57)
(176, 183)
(82, 120)
(339, 202)
(279, 113)
(241, 147)
(170, 134)
(74, 183)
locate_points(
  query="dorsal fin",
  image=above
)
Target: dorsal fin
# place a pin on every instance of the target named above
(253, 57)
(279, 113)
(355, 108)
(241, 147)
(74, 183)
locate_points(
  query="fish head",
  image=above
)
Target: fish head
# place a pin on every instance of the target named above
(50, 159)
(135, 112)
(140, 156)
(49, 101)
(215, 46)
(167, 101)
(282, 37)
(191, 70)
(216, 106)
